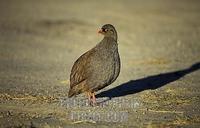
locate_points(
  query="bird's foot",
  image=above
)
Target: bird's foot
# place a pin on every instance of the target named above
(92, 99)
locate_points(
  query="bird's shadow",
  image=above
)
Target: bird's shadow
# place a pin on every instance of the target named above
(150, 82)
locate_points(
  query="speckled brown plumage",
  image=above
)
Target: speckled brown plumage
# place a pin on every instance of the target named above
(98, 67)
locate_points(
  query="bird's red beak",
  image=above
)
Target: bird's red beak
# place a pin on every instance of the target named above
(101, 32)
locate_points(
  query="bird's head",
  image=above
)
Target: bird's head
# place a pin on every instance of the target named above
(108, 30)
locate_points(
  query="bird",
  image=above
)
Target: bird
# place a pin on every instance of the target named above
(98, 67)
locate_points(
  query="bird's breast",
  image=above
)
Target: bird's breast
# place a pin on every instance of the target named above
(105, 67)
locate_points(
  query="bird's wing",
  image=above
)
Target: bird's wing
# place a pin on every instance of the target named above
(79, 69)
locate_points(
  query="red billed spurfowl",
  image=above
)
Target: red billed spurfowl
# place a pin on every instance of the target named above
(98, 67)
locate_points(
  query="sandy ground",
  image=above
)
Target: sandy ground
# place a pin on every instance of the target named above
(159, 45)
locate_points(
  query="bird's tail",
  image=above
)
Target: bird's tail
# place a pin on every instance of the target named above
(77, 89)
(71, 92)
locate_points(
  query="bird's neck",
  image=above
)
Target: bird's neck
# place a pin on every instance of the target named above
(114, 37)
(109, 39)
(108, 43)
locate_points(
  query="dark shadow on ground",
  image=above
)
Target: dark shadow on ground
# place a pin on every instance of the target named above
(151, 82)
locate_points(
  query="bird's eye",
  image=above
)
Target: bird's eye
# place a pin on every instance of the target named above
(104, 29)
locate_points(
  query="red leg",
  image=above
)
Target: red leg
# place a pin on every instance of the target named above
(89, 95)
(93, 98)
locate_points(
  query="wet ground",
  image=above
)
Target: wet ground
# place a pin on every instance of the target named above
(159, 45)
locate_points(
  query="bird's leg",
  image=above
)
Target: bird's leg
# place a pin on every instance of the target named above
(89, 97)
(93, 98)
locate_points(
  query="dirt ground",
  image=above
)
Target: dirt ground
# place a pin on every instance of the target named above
(159, 45)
